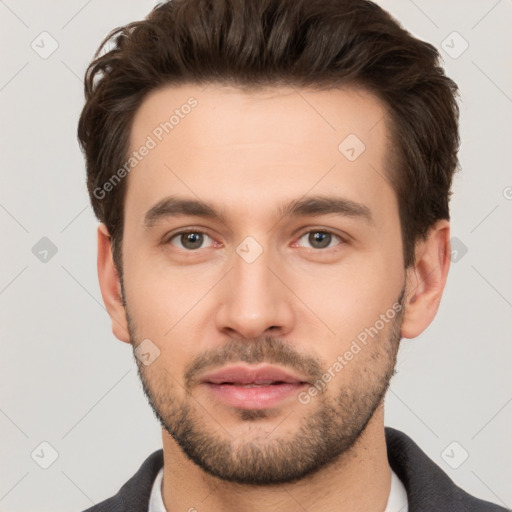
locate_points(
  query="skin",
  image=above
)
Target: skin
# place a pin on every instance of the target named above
(248, 153)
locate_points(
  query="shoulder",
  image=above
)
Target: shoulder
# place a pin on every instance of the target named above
(428, 486)
(135, 493)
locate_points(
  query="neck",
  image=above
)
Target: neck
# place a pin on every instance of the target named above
(359, 480)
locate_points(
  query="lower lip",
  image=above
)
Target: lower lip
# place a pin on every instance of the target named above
(255, 397)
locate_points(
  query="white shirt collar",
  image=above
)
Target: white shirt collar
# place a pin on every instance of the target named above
(156, 503)
(397, 501)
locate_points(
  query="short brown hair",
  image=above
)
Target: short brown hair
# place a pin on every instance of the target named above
(252, 43)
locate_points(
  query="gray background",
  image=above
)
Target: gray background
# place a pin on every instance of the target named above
(65, 379)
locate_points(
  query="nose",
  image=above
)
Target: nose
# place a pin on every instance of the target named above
(255, 300)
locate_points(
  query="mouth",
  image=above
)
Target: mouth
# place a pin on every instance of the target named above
(246, 387)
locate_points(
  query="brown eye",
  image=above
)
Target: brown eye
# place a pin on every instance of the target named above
(319, 239)
(189, 240)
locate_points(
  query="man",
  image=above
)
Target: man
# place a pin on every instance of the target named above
(272, 180)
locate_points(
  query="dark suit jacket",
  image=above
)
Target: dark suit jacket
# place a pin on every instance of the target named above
(429, 489)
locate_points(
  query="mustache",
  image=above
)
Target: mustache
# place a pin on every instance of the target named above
(264, 349)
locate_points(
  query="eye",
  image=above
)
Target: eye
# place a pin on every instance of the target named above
(194, 239)
(320, 239)
(189, 240)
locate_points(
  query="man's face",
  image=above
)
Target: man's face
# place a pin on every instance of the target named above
(254, 311)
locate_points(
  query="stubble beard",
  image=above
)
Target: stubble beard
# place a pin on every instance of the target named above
(329, 431)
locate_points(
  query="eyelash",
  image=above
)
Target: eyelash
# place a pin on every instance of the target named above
(198, 231)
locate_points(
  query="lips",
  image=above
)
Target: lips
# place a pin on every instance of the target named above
(250, 376)
(245, 387)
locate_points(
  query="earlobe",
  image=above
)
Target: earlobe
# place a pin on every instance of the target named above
(110, 286)
(426, 280)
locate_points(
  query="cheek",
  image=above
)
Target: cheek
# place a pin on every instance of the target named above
(351, 296)
(159, 295)
(161, 306)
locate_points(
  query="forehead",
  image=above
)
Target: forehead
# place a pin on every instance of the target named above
(226, 114)
(244, 148)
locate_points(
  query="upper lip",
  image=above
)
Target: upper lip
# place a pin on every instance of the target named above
(239, 374)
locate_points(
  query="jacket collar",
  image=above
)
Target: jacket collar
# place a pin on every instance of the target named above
(428, 487)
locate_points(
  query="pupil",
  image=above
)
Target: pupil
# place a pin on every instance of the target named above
(319, 236)
(192, 239)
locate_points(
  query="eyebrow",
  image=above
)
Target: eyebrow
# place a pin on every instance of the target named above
(174, 206)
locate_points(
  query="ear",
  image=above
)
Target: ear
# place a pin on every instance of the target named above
(110, 285)
(426, 280)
